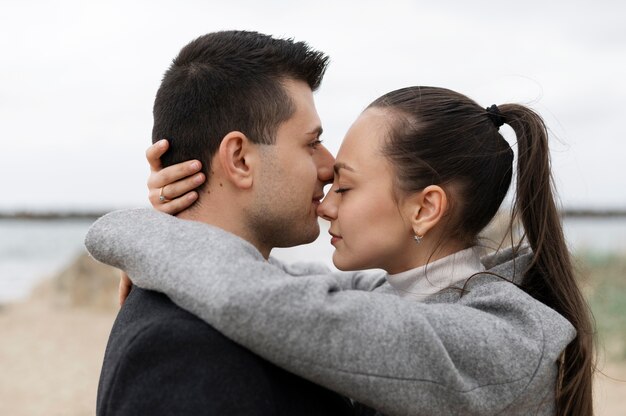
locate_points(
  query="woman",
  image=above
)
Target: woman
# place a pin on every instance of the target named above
(419, 175)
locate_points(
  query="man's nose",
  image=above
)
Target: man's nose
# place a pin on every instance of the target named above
(325, 163)
(328, 208)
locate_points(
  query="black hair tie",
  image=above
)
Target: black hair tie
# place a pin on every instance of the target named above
(495, 115)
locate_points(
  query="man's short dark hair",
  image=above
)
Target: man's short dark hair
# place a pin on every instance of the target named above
(229, 81)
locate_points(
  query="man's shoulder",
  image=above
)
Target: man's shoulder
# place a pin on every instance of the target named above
(155, 346)
(146, 307)
(163, 360)
(149, 316)
(151, 331)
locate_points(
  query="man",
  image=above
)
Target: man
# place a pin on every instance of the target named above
(241, 103)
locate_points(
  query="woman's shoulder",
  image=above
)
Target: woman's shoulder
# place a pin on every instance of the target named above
(496, 296)
(510, 304)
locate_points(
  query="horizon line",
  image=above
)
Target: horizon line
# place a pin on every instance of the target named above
(97, 213)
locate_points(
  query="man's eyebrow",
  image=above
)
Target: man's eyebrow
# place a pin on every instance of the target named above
(341, 165)
(316, 131)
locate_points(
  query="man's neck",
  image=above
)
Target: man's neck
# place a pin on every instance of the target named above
(228, 223)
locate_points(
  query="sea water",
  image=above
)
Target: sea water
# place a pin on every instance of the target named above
(31, 250)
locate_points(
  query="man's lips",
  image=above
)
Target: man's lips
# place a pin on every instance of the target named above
(317, 199)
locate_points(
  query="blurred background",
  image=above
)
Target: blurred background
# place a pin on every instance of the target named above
(77, 83)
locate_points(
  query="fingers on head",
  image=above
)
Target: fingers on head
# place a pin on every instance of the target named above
(179, 204)
(172, 174)
(154, 153)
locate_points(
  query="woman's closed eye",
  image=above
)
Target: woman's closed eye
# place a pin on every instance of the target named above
(341, 190)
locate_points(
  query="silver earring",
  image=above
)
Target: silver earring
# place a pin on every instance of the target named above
(417, 238)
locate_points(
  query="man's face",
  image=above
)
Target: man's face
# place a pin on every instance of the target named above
(294, 172)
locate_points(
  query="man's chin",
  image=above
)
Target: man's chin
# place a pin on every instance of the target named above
(311, 235)
(307, 235)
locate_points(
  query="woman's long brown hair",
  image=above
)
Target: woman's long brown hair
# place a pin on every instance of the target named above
(441, 137)
(550, 278)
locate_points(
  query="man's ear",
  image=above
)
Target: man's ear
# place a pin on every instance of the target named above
(237, 157)
(427, 209)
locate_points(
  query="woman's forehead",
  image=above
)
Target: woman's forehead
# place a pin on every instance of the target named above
(360, 149)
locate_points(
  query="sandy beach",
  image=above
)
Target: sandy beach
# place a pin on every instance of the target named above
(50, 358)
(52, 347)
(53, 343)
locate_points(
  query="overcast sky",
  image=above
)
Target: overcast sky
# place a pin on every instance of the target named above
(78, 79)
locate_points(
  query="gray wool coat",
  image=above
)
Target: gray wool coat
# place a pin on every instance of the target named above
(491, 351)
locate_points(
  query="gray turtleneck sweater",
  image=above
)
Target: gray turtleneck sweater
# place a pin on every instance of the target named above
(492, 350)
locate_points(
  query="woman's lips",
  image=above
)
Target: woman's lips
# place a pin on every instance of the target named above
(334, 238)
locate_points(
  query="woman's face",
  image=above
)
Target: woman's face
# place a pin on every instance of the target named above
(369, 228)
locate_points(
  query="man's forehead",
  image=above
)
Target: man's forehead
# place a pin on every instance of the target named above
(305, 120)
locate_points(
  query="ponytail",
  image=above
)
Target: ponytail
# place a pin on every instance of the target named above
(550, 277)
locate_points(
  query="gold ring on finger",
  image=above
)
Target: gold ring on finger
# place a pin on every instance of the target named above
(162, 197)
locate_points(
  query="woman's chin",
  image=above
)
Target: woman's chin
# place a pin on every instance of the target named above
(340, 263)
(342, 268)
(346, 265)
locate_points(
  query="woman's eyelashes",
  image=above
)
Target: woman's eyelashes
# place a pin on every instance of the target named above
(341, 190)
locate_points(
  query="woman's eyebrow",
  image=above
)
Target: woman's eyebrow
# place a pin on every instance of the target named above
(341, 165)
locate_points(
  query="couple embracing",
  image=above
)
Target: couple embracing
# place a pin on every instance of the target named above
(214, 325)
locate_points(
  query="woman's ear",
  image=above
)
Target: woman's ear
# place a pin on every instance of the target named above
(237, 157)
(428, 207)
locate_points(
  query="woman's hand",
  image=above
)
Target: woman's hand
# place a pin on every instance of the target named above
(124, 288)
(171, 189)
